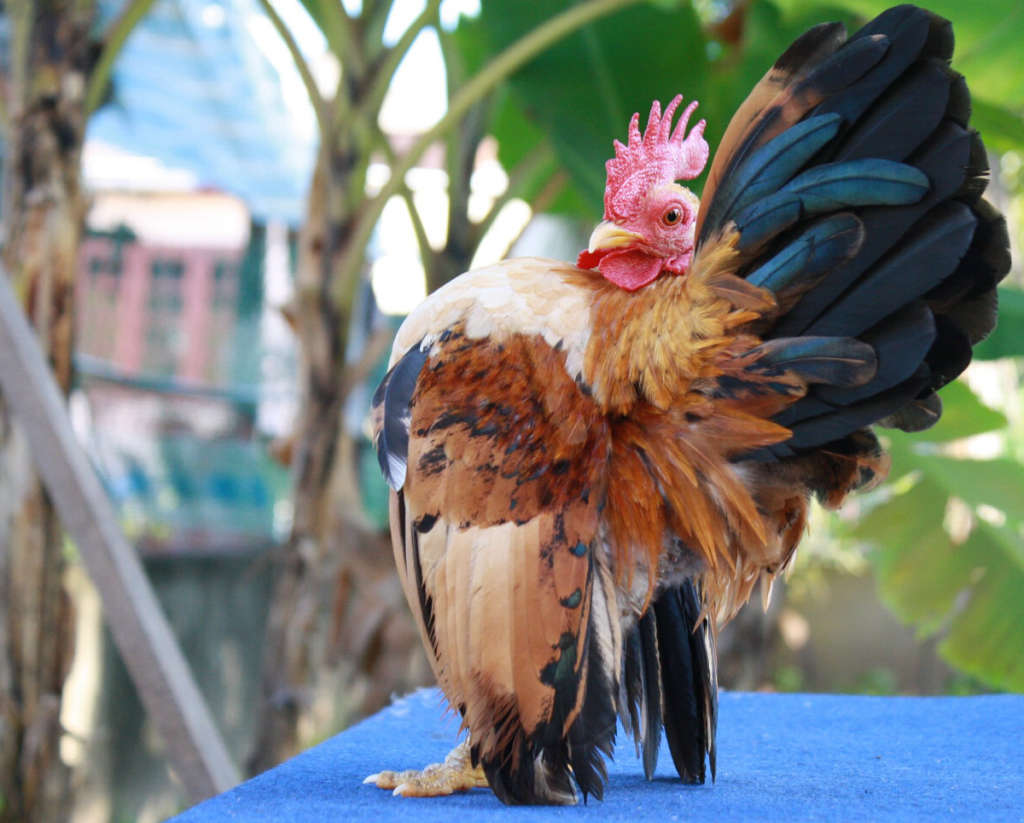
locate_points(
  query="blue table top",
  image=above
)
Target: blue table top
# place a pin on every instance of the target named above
(780, 757)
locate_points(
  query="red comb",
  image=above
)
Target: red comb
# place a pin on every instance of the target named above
(656, 157)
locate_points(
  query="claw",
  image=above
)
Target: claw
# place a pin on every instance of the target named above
(456, 774)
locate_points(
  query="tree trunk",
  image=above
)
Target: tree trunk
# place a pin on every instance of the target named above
(43, 205)
(339, 639)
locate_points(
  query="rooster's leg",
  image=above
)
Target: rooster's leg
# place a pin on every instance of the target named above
(456, 774)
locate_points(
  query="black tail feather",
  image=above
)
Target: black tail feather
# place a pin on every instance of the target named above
(653, 698)
(671, 682)
(906, 32)
(903, 118)
(633, 686)
(944, 158)
(929, 253)
(592, 735)
(689, 681)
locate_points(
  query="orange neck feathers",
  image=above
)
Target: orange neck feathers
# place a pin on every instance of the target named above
(651, 362)
(652, 344)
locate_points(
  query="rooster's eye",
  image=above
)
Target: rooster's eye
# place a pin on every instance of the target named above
(672, 216)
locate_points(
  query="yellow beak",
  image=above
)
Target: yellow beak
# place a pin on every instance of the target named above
(608, 235)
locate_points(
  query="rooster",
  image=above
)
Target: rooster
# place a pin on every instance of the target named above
(594, 465)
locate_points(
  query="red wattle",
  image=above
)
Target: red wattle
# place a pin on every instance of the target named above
(589, 259)
(630, 270)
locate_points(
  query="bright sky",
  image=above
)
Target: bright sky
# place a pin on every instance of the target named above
(417, 98)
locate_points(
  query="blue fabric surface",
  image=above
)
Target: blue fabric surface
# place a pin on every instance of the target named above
(780, 757)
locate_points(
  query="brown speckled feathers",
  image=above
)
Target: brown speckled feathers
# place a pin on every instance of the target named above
(496, 532)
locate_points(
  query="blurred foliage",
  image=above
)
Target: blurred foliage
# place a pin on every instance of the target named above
(574, 98)
(569, 103)
(877, 681)
(789, 678)
(1006, 339)
(964, 685)
(950, 543)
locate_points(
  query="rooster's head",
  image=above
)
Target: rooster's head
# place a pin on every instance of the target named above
(649, 219)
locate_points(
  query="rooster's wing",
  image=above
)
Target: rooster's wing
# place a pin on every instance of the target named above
(498, 460)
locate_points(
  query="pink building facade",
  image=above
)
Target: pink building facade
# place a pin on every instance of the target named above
(158, 311)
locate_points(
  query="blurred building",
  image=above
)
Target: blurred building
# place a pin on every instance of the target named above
(197, 167)
(168, 362)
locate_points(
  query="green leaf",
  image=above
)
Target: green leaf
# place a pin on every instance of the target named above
(968, 586)
(997, 483)
(581, 93)
(986, 639)
(523, 146)
(1007, 339)
(473, 44)
(972, 591)
(1001, 126)
(906, 532)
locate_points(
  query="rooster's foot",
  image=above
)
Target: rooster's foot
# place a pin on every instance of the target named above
(456, 774)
